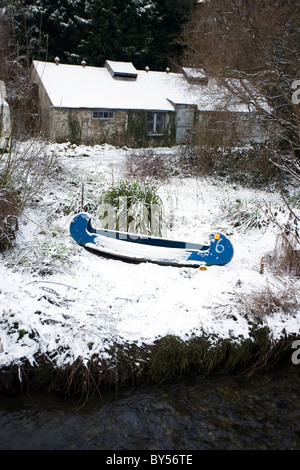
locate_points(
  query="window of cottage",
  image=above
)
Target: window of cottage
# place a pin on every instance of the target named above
(103, 114)
(155, 122)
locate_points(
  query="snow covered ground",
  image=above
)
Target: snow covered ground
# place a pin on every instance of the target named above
(62, 301)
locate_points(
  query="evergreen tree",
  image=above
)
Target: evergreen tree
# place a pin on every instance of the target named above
(168, 22)
(140, 31)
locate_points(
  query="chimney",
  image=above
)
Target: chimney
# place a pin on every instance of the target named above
(56, 60)
(147, 69)
(83, 63)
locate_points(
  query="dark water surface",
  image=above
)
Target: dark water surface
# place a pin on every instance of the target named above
(218, 412)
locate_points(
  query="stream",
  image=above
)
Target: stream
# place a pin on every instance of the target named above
(220, 412)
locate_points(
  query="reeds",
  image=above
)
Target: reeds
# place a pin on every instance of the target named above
(168, 358)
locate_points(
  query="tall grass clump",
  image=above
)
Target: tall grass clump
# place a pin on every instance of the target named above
(285, 258)
(286, 255)
(269, 301)
(246, 215)
(132, 206)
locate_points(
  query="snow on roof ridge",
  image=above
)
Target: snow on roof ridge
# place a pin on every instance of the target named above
(90, 87)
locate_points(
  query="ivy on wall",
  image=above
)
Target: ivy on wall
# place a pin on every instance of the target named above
(137, 135)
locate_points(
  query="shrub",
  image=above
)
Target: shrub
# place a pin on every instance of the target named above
(146, 163)
(248, 166)
(137, 207)
(22, 172)
(9, 211)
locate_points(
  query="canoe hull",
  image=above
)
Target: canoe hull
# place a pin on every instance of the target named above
(140, 248)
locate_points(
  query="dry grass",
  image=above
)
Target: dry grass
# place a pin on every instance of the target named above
(286, 258)
(269, 301)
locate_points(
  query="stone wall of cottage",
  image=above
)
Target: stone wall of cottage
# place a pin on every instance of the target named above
(127, 128)
(228, 129)
(77, 126)
(137, 135)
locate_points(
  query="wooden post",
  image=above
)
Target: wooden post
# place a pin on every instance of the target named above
(82, 195)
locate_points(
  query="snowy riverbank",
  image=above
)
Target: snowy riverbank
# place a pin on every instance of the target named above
(62, 302)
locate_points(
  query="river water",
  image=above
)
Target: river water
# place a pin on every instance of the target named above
(194, 413)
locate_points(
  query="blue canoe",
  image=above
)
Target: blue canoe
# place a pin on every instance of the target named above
(143, 248)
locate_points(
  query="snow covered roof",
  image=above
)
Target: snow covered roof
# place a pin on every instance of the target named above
(74, 86)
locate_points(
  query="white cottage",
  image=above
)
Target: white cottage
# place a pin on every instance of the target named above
(121, 105)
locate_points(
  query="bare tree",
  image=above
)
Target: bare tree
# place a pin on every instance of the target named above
(14, 71)
(252, 48)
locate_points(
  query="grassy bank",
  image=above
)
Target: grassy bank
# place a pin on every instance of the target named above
(169, 358)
